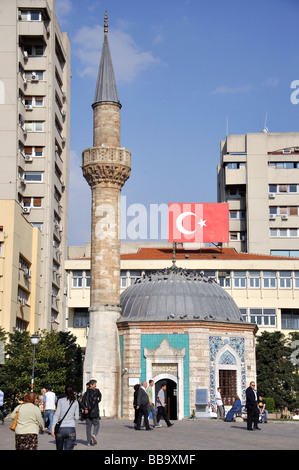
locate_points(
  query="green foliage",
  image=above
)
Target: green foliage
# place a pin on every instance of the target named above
(270, 404)
(276, 372)
(58, 361)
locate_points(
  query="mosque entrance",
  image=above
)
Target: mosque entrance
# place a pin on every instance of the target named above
(170, 396)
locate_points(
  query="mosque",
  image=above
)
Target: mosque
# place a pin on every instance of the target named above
(173, 325)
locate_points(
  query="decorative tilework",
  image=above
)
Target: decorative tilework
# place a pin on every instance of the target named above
(216, 343)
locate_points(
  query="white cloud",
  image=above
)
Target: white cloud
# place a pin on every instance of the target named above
(129, 60)
(62, 9)
(224, 90)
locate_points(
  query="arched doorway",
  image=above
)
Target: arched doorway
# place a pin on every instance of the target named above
(170, 396)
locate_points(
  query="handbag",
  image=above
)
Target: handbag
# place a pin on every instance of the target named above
(15, 421)
(58, 424)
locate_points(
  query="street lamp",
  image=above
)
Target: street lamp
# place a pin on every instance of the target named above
(34, 340)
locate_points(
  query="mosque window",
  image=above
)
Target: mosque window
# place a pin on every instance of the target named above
(228, 385)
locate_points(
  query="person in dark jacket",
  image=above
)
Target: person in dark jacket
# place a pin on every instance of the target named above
(142, 407)
(252, 407)
(90, 404)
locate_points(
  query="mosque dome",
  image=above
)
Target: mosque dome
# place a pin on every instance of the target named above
(176, 294)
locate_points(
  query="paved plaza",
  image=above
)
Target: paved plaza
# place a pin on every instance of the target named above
(193, 435)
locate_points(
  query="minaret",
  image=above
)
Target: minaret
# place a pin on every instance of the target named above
(106, 167)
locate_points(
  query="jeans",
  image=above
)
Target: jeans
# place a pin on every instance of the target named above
(95, 422)
(49, 414)
(66, 438)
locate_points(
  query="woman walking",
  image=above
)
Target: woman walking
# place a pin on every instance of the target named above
(68, 411)
(29, 422)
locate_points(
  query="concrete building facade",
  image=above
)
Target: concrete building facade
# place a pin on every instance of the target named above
(258, 176)
(34, 133)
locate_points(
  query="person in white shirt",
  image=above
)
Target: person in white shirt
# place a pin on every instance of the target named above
(220, 406)
(49, 400)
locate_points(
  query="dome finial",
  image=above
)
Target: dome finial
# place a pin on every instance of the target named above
(106, 25)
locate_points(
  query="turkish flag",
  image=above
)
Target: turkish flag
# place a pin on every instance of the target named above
(198, 222)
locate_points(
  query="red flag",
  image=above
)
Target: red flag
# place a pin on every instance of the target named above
(197, 222)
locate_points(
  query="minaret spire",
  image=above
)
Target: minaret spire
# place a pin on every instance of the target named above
(106, 24)
(106, 166)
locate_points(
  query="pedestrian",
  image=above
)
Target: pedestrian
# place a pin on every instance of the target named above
(262, 408)
(67, 413)
(90, 403)
(136, 410)
(29, 423)
(220, 405)
(161, 406)
(49, 401)
(151, 406)
(252, 407)
(142, 407)
(236, 408)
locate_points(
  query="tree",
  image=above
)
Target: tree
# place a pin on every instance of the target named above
(275, 371)
(57, 361)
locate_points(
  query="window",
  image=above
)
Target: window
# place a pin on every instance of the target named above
(123, 279)
(243, 312)
(285, 279)
(34, 176)
(240, 279)
(290, 318)
(296, 279)
(81, 318)
(87, 278)
(134, 275)
(34, 126)
(34, 101)
(30, 16)
(254, 280)
(287, 253)
(284, 232)
(269, 280)
(237, 215)
(32, 202)
(34, 51)
(77, 279)
(34, 151)
(228, 385)
(263, 316)
(224, 279)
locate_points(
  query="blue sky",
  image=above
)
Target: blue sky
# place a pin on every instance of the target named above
(186, 71)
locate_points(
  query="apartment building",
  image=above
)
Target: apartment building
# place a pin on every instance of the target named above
(265, 288)
(34, 132)
(20, 264)
(258, 176)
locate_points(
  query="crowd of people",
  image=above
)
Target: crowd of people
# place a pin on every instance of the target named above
(145, 406)
(57, 416)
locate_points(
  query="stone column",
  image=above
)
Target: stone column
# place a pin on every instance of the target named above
(106, 169)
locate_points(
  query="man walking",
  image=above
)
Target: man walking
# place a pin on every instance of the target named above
(151, 406)
(90, 405)
(49, 402)
(161, 406)
(142, 407)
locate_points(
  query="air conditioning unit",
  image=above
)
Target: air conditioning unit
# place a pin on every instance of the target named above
(22, 302)
(284, 217)
(25, 54)
(28, 158)
(272, 216)
(26, 210)
(271, 195)
(28, 107)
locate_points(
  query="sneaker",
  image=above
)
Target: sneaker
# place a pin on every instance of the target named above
(158, 426)
(94, 439)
